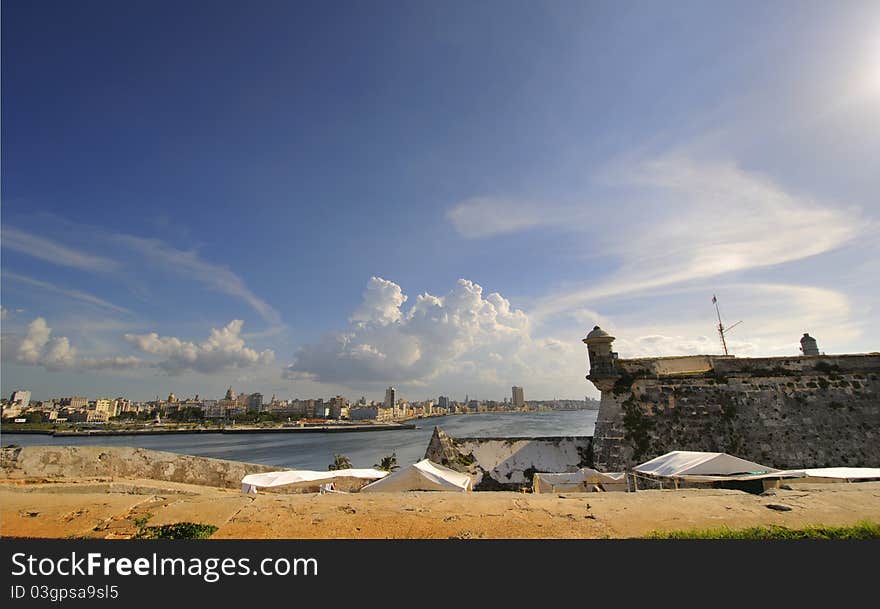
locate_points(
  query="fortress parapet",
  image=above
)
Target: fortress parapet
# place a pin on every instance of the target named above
(811, 410)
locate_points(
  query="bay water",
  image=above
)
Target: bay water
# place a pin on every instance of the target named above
(315, 451)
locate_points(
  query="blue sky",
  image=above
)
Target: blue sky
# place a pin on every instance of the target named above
(305, 199)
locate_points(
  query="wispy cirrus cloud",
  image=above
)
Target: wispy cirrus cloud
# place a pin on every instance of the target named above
(680, 219)
(50, 251)
(481, 217)
(74, 294)
(188, 264)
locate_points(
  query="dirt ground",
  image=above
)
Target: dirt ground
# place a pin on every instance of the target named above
(114, 509)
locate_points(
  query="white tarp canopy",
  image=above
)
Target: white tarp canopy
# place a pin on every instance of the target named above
(422, 476)
(705, 466)
(250, 482)
(583, 480)
(840, 473)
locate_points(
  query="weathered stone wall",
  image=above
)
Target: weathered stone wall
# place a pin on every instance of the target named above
(509, 463)
(808, 411)
(61, 462)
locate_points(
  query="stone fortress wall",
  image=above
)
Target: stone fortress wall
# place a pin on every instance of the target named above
(784, 412)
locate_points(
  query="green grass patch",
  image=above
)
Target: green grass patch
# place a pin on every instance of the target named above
(178, 530)
(861, 530)
(141, 521)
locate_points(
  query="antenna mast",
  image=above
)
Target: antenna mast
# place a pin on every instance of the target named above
(721, 328)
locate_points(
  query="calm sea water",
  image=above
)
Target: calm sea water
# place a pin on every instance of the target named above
(315, 451)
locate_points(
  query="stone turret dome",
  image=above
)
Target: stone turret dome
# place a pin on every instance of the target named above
(598, 335)
(597, 332)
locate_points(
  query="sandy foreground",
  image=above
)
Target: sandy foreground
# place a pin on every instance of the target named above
(105, 508)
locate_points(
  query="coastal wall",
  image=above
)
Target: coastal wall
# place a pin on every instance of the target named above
(785, 412)
(509, 463)
(60, 462)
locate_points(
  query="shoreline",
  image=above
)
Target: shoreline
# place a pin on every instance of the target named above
(228, 430)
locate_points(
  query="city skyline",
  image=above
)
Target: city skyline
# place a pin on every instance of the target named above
(306, 204)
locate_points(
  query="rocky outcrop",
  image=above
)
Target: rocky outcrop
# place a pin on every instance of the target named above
(509, 463)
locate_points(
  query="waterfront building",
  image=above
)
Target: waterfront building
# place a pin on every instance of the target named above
(337, 405)
(76, 402)
(122, 404)
(216, 409)
(21, 397)
(390, 397)
(255, 402)
(105, 405)
(363, 412)
(517, 397)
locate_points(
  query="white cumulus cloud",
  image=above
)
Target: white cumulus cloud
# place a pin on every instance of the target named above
(463, 339)
(39, 348)
(224, 349)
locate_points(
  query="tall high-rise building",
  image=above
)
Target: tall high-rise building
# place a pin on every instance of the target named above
(517, 397)
(443, 401)
(389, 397)
(22, 397)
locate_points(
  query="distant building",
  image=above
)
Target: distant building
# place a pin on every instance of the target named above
(76, 402)
(390, 397)
(21, 398)
(337, 405)
(443, 401)
(122, 404)
(255, 402)
(106, 406)
(363, 412)
(215, 409)
(517, 397)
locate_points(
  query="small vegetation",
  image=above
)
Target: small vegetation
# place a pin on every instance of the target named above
(388, 464)
(465, 460)
(178, 530)
(141, 521)
(826, 367)
(623, 383)
(861, 530)
(638, 428)
(339, 462)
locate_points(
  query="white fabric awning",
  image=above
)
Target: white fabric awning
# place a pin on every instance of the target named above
(422, 476)
(841, 473)
(251, 482)
(682, 463)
